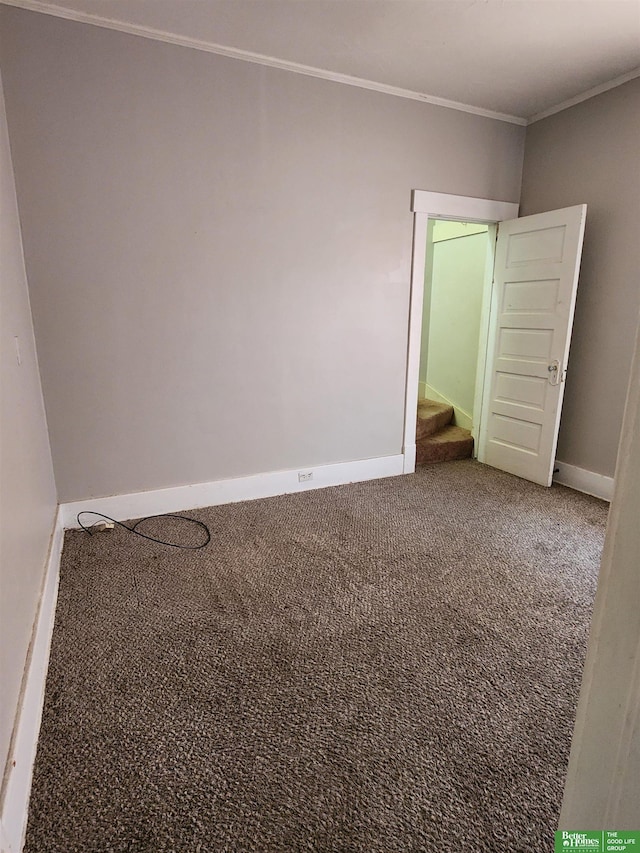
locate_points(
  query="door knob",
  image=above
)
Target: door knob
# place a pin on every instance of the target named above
(554, 372)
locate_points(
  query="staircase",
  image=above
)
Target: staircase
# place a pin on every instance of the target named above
(437, 438)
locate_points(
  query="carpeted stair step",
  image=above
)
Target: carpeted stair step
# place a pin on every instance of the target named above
(449, 443)
(432, 417)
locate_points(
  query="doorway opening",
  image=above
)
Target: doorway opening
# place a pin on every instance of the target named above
(427, 207)
(453, 338)
(530, 302)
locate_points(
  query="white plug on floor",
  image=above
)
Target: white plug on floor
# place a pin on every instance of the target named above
(103, 525)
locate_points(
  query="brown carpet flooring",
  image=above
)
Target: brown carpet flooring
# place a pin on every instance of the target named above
(388, 666)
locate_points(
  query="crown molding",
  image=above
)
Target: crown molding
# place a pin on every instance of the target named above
(308, 70)
(257, 58)
(584, 96)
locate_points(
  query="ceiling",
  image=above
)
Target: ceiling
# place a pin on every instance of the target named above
(517, 58)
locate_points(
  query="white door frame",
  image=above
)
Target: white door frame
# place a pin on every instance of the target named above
(427, 205)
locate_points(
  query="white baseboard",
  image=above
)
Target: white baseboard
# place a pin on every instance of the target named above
(585, 481)
(179, 498)
(15, 805)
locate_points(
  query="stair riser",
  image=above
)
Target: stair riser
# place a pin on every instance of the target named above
(427, 452)
(432, 424)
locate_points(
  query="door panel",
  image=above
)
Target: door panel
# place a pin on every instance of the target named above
(538, 246)
(535, 282)
(523, 296)
(529, 391)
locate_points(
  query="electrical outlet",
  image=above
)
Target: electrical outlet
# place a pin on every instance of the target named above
(305, 476)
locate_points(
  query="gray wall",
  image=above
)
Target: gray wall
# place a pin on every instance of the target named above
(219, 253)
(591, 153)
(27, 490)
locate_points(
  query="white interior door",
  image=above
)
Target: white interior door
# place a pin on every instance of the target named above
(534, 294)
